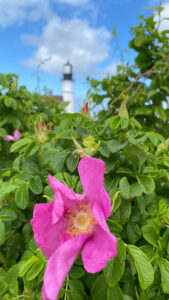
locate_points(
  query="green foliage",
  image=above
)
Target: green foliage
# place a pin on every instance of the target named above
(131, 137)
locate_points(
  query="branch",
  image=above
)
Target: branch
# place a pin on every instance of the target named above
(146, 75)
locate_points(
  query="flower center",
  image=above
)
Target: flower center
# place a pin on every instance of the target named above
(80, 220)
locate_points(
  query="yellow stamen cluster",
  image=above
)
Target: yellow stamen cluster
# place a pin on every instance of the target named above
(80, 220)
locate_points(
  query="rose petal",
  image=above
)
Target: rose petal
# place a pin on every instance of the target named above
(91, 173)
(68, 196)
(47, 233)
(101, 246)
(17, 135)
(9, 138)
(59, 265)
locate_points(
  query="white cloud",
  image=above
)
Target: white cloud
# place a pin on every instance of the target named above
(74, 39)
(165, 14)
(18, 11)
(73, 2)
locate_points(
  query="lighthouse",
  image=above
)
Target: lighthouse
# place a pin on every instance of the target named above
(67, 87)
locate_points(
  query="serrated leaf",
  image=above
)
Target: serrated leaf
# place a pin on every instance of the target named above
(151, 234)
(135, 154)
(136, 190)
(143, 266)
(35, 269)
(115, 293)
(124, 187)
(2, 233)
(115, 122)
(11, 277)
(147, 183)
(72, 162)
(20, 144)
(76, 272)
(114, 146)
(76, 291)
(7, 215)
(114, 226)
(122, 214)
(133, 232)
(21, 196)
(35, 184)
(3, 288)
(57, 161)
(99, 288)
(26, 265)
(115, 266)
(30, 150)
(123, 112)
(164, 268)
(2, 275)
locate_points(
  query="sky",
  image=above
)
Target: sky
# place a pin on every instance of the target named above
(47, 33)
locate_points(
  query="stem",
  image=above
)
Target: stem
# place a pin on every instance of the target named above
(67, 285)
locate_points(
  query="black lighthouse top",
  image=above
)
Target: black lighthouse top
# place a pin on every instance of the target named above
(67, 71)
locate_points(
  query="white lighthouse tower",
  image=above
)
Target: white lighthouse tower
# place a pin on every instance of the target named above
(67, 87)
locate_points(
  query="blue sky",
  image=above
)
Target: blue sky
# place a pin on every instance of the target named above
(56, 30)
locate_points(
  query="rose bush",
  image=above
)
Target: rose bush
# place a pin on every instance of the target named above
(131, 137)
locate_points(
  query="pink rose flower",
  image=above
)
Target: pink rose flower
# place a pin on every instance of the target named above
(72, 221)
(14, 137)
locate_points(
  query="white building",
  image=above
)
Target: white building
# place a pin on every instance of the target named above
(67, 87)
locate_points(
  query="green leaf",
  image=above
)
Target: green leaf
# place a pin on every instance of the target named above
(122, 214)
(11, 277)
(20, 144)
(35, 184)
(161, 113)
(164, 268)
(114, 293)
(147, 183)
(2, 275)
(135, 154)
(76, 291)
(123, 112)
(114, 226)
(143, 266)
(151, 234)
(6, 188)
(76, 272)
(57, 161)
(114, 146)
(30, 150)
(165, 240)
(72, 162)
(133, 232)
(21, 196)
(3, 288)
(3, 132)
(26, 265)
(7, 215)
(35, 269)
(104, 149)
(8, 101)
(115, 123)
(2, 233)
(136, 190)
(115, 266)
(99, 288)
(125, 187)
